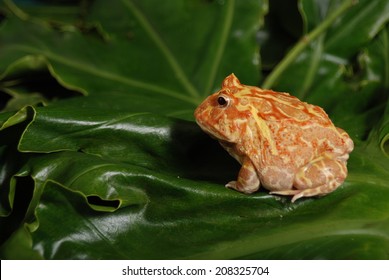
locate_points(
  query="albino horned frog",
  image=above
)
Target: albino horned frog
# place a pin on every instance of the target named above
(286, 145)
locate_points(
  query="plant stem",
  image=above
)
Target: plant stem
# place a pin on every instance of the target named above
(385, 41)
(15, 9)
(304, 42)
(221, 42)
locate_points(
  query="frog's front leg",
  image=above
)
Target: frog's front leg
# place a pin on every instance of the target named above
(319, 177)
(248, 181)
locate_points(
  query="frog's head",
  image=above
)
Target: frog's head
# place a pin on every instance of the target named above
(221, 115)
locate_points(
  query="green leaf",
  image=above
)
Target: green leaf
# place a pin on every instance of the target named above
(166, 196)
(187, 69)
(320, 57)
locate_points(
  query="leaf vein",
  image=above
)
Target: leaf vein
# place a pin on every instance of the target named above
(180, 74)
(104, 74)
(222, 44)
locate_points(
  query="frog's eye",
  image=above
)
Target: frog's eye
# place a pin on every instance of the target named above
(223, 101)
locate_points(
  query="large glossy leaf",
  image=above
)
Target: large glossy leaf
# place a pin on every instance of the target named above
(112, 175)
(183, 62)
(159, 198)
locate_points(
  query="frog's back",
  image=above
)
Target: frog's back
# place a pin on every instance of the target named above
(279, 106)
(285, 125)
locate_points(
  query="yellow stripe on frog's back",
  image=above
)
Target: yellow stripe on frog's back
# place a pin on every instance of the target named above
(263, 128)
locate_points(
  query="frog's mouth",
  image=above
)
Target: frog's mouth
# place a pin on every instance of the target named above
(213, 122)
(205, 128)
(215, 133)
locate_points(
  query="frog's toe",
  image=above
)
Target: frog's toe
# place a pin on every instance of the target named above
(308, 193)
(318, 191)
(240, 188)
(231, 185)
(295, 193)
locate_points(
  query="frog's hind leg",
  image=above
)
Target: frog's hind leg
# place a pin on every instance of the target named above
(319, 177)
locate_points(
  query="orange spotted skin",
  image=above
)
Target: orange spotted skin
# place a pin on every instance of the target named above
(283, 144)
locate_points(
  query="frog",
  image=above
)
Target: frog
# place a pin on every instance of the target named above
(284, 145)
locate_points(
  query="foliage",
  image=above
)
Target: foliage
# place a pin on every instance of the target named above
(100, 155)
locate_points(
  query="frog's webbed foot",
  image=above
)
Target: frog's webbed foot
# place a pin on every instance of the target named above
(297, 193)
(240, 188)
(317, 191)
(248, 181)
